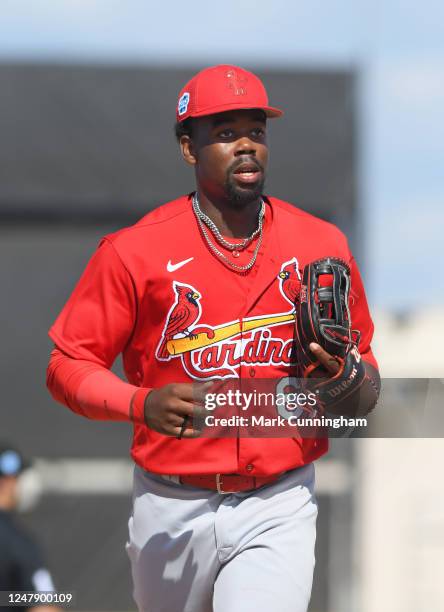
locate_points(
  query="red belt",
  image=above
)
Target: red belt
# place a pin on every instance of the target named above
(227, 483)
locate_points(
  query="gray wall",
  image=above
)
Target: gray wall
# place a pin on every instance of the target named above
(99, 141)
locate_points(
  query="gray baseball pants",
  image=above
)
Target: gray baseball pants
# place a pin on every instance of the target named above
(195, 550)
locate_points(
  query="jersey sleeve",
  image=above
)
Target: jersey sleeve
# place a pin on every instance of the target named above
(360, 314)
(98, 319)
(93, 391)
(92, 329)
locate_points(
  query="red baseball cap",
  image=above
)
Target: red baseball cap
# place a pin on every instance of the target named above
(222, 88)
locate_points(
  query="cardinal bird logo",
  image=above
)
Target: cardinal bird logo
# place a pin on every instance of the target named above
(184, 313)
(237, 82)
(290, 279)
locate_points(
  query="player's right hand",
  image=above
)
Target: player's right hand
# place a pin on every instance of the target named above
(167, 407)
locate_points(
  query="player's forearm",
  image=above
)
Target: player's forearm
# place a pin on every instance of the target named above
(93, 391)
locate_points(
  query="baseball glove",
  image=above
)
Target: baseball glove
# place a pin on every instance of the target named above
(323, 316)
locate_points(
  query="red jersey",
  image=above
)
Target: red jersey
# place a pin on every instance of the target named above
(157, 294)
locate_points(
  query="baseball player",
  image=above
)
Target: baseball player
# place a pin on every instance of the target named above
(204, 289)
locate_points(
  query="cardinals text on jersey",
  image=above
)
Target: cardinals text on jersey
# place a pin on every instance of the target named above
(218, 351)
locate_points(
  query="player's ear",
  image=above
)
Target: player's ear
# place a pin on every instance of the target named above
(187, 149)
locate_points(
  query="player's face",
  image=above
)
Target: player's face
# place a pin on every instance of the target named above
(230, 155)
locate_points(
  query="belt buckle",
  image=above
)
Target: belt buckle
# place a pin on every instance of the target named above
(219, 485)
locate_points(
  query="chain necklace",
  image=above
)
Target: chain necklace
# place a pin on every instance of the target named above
(230, 246)
(217, 252)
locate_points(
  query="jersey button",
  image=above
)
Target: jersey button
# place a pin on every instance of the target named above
(250, 467)
(252, 372)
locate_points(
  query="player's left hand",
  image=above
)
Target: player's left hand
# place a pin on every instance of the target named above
(327, 361)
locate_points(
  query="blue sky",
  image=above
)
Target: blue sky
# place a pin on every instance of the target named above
(398, 47)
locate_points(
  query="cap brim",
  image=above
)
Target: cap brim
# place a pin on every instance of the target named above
(269, 111)
(273, 113)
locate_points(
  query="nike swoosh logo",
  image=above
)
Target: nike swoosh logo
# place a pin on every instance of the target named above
(173, 267)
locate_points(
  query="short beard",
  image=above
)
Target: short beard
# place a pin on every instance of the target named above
(242, 196)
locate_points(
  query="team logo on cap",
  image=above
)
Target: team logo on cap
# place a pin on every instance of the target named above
(182, 106)
(237, 82)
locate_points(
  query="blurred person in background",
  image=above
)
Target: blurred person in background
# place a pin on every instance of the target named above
(22, 567)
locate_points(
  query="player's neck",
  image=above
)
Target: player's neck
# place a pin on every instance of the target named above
(232, 221)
